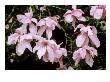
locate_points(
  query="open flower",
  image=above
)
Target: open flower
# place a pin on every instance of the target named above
(87, 33)
(98, 11)
(86, 53)
(28, 20)
(47, 24)
(49, 50)
(22, 40)
(72, 15)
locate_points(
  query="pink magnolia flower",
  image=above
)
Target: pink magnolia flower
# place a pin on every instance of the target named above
(72, 15)
(87, 33)
(86, 53)
(23, 40)
(47, 24)
(49, 50)
(28, 20)
(98, 11)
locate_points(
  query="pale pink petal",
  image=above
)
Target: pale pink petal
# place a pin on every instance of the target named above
(82, 52)
(89, 60)
(94, 29)
(41, 52)
(41, 30)
(90, 32)
(37, 37)
(45, 57)
(93, 9)
(64, 51)
(29, 15)
(81, 18)
(49, 22)
(95, 40)
(58, 54)
(21, 46)
(41, 22)
(49, 33)
(32, 28)
(21, 18)
(36, 47)
(77, 12)
(69, 18)
(50, 54)
(98, 13)
(80, 40)
(94, 51)
(68, 12)
(13, 38)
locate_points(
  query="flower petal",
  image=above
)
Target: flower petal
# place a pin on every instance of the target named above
(69, 18)
(49, 33)
(32, 28)
(89, 60)
(95, 40)
(83, 52)
(41, 52)
(81, 18)
(21, 46)
(80, 40)
(98, 13)
(50, 54)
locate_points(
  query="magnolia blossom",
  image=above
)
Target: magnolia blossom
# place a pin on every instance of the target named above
(47, 24)
(98, 11)
(22, 40)
(28, 20)
(86, 53)
(72, 15)
(49, 50)
(87, 33)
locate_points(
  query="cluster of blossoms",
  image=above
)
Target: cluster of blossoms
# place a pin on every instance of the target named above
(87, 33)
(30, 30)
(47, 49)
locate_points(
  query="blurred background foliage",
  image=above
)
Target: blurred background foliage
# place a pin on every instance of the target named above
(66, 35)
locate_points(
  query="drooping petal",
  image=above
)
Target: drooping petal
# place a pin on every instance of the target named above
(36, 47)
(45, 57)
(49, 33)
(21, 18)
(29, 15)
(50, 53)
(77, 13)
(93, 9)
(64, 51)
(95, 40)
(81, 18)
(69, 18)
(82, 52)
(13, 38)
(21, 46)
(80, 40)
(32, 28)
(98, 13)
(89, 60)
(41, 52)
